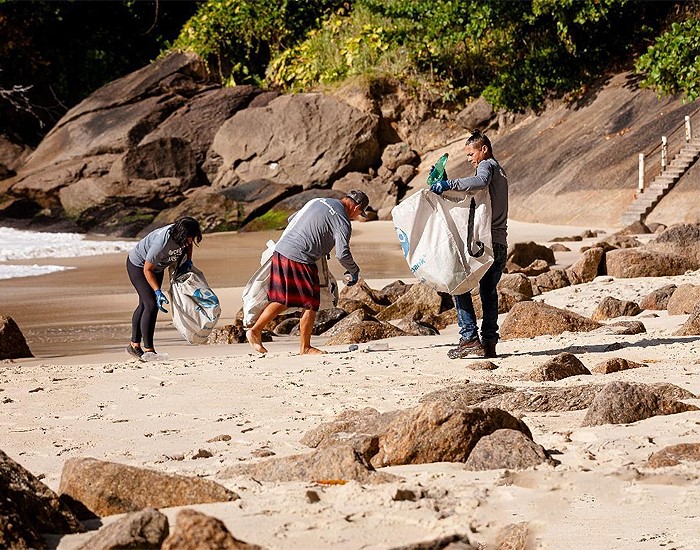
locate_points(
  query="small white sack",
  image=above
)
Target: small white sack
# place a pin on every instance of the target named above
(195, 307)
(255, 291)
(446, 242)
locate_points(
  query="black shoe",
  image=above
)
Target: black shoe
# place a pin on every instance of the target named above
(490, 349)
(134, 352)
(467, 348)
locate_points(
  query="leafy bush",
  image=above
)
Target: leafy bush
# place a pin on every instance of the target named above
(672, 64)
(238, 37)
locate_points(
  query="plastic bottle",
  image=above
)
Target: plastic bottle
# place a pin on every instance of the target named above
(438, 172)
(151, 356)
(353, 347)
(378, 346)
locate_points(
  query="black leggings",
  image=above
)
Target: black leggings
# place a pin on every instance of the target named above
(143, 322)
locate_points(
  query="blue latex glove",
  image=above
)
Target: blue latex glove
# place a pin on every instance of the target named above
(351, 279)
(440, 187)
(160, 300)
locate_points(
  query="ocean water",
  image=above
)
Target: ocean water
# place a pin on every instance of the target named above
(26, 245)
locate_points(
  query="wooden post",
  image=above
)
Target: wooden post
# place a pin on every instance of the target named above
(688, 133)
(664, 153)
(641, 172)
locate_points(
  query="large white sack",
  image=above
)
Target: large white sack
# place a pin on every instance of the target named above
(442, 248)
(255, 291)
(195, 307)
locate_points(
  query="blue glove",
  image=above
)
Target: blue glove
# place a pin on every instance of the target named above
(351, 279)
(440, 187)
(160, 300)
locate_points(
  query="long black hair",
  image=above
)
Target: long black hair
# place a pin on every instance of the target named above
(185, 227)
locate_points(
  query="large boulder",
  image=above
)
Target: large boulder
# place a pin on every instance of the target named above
(682, 239)
(295, 139)
(683, 300)
(28, 508)
(642, 262)
(103, 488)
(530, 319)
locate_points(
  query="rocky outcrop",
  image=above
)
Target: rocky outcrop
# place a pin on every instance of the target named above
(610, 307)
(683, 300)
(562, 366)
(658, 299)
(692, 325)
(505, 449)
(194, 530)
(641, 262)
(145, 529)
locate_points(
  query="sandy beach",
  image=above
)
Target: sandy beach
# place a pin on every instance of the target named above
(81, 396)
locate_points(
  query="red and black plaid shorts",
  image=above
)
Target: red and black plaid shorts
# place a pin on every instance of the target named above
(294, 284)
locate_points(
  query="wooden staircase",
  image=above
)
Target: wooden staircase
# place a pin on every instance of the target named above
(645, 201)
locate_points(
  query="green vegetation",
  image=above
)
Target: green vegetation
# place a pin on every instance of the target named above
(272, 219)
(515, 54)
(672, 63)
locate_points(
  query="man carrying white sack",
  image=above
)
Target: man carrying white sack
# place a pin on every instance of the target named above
(312, 233)
(488, 174)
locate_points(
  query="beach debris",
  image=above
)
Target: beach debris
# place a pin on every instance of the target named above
(202, 453)
(559, 367)
(153, 356)
(610, 307)
(28, 508)
(658, 299)
(683, 300)
(506, 448)
(105, 488)
(674, 455)
(622, 403)
(377, 346)
(146, 528)
(197, 530)
(530, 319)
(616, 364)
(12, 342)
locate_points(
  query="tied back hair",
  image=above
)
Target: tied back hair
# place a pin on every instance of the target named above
(186, 227)
(479, 139)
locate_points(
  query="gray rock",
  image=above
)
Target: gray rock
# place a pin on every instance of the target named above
(439, 432)
(398, 154)
(623, 403)
(509, 449)
(333, 463)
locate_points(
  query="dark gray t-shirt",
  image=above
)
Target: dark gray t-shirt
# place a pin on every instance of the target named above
(490, 174)
(158, 248)
(314, 230)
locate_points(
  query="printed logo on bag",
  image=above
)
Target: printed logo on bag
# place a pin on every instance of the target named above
(403, 241)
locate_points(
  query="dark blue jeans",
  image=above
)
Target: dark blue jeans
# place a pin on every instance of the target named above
(466, 318)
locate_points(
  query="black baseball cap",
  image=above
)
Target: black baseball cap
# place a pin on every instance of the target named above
(360, 198)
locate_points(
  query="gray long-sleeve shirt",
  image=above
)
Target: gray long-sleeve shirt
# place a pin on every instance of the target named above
(314, 230)
(490, 174)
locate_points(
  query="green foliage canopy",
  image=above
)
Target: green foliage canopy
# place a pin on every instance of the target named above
(672, 64)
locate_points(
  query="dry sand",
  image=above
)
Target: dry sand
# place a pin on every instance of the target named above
(81, 396)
